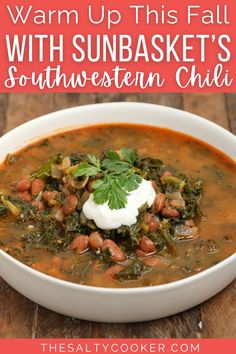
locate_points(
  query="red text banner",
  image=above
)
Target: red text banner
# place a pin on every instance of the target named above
(117, 346)
(103, 46)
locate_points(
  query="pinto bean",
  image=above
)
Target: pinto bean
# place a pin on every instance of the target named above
(49, 195)
(70, 204)
(57, 261)
(148, 217)
(146, 245)
(166, 174)
(38, 204)
(154, 225)
(37, 186)
(159, 203)
(80, 244)
(154, 186)
(178, 203)
(116, 252)
(23, 185)
(152, 222)
(24, 195)
(140, 253)
(112, 271)
(66, 210)
(95, 240)
(168, 212)
(152, 261)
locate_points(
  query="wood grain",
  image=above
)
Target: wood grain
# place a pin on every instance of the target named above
(3, 108)
(67, 100)
(219, 314)
(23, 107)
(211, 106)
(185, 324)
(231, 103)
(16, 312)
(20, 317)
(171, 99)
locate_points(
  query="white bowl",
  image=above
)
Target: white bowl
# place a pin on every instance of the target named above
(118, 305)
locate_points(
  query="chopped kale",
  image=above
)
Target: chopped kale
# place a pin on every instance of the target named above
(110, 177)
(134, 271)
(173, 184)
(45, 170)
(11, 159)
(3, 210)
(192, 194)
(151, 168)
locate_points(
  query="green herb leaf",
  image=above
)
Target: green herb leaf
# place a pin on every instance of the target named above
(86, 169)
(45, 170)
(134, 271)
(94, 161)
(116, 177)
(131, 182)
(115, 167)
(129, 155)
(173, 184)
(101, 192)
(112, 155)
(117, 195)
(110, 191)
(96, 184)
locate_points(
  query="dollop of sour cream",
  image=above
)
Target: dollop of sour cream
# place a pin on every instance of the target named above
(107, 219)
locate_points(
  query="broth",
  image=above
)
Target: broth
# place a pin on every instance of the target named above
(217, 228)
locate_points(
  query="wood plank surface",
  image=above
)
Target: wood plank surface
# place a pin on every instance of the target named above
(3, 108)
(20, 317)
(23, 107)
(210, 106)
(219, 314)
(231, 103)
(16, 312)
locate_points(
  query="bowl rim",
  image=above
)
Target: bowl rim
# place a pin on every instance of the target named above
(131, 290)
(94, 106)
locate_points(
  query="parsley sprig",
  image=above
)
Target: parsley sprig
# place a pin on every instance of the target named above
(116, 176)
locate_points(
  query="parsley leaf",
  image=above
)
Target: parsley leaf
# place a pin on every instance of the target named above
(116, 176)
(110, 191)
(86, 169)
(129, 155)
(112, 155)
(94, 161)
(115, 167)
(131, 182)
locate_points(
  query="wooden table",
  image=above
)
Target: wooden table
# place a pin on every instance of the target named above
(20, 317)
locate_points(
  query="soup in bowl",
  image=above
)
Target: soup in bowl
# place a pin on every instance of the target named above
(118, 207)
